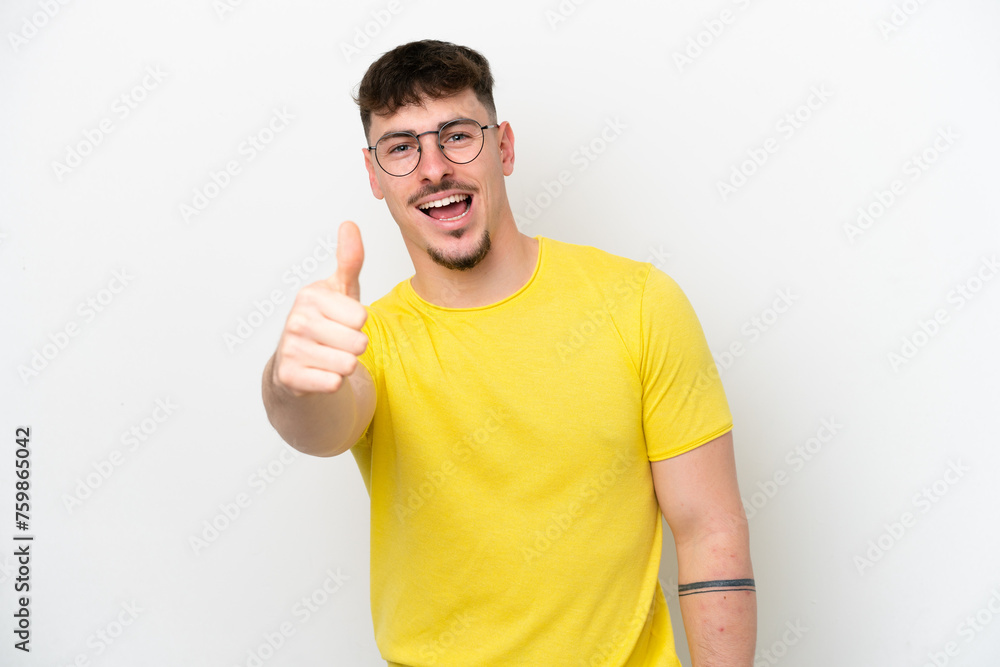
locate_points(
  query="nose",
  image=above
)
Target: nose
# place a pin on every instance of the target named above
(433, 166)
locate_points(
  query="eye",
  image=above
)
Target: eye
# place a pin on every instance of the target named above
(397, 146)
(456, 137)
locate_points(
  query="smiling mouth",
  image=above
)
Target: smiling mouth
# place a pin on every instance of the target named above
(448, 209)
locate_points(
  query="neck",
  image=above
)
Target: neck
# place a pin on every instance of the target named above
(506, 268)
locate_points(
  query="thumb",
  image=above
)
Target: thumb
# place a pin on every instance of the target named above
(350, 256)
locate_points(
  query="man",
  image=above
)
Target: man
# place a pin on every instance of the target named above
(521, 411)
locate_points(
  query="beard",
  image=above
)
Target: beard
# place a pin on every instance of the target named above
(464, 262)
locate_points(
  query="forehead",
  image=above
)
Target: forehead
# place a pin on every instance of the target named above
(430, 114)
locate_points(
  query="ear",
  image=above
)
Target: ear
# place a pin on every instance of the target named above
(506, 147)
(372, 176)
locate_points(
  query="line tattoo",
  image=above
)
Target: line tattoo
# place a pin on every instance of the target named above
(717, 586)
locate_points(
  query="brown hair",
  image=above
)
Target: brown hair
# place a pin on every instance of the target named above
(428, 68)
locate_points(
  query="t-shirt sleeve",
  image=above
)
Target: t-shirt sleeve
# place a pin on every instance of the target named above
(683, 402)
(369, 356)
(370, 360)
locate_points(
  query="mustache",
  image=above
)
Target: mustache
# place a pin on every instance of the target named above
(441, 187)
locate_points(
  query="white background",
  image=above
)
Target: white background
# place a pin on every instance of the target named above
(832, 555)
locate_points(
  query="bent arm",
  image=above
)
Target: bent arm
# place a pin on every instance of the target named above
(698, 494)
(320, 424)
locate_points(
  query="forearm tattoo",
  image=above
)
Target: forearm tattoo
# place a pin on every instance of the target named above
(716, 586)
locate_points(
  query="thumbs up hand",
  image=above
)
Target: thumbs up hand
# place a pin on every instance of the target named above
(322, 337)
(350, 256)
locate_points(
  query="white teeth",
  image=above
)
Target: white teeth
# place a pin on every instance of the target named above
(444, 202)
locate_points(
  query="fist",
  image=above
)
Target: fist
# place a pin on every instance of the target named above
(322, 337)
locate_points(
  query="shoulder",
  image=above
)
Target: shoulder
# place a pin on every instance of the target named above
(595, 263)
(393, 313)
(391, 302)
(617, 279)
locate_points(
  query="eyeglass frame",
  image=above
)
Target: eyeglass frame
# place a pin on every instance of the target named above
(420, 148)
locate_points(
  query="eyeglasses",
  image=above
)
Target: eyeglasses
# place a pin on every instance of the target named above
(460, 140)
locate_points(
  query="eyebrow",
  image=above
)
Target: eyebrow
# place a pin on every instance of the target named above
(440, 125)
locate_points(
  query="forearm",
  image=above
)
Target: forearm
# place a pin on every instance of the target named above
(719, 612)
(320, 424)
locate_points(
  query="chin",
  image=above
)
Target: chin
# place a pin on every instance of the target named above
(466, 260)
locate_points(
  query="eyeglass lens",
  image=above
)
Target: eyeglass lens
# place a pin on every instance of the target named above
(460, 141)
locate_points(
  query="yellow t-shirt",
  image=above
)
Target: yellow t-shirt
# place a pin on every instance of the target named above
(513, 515)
